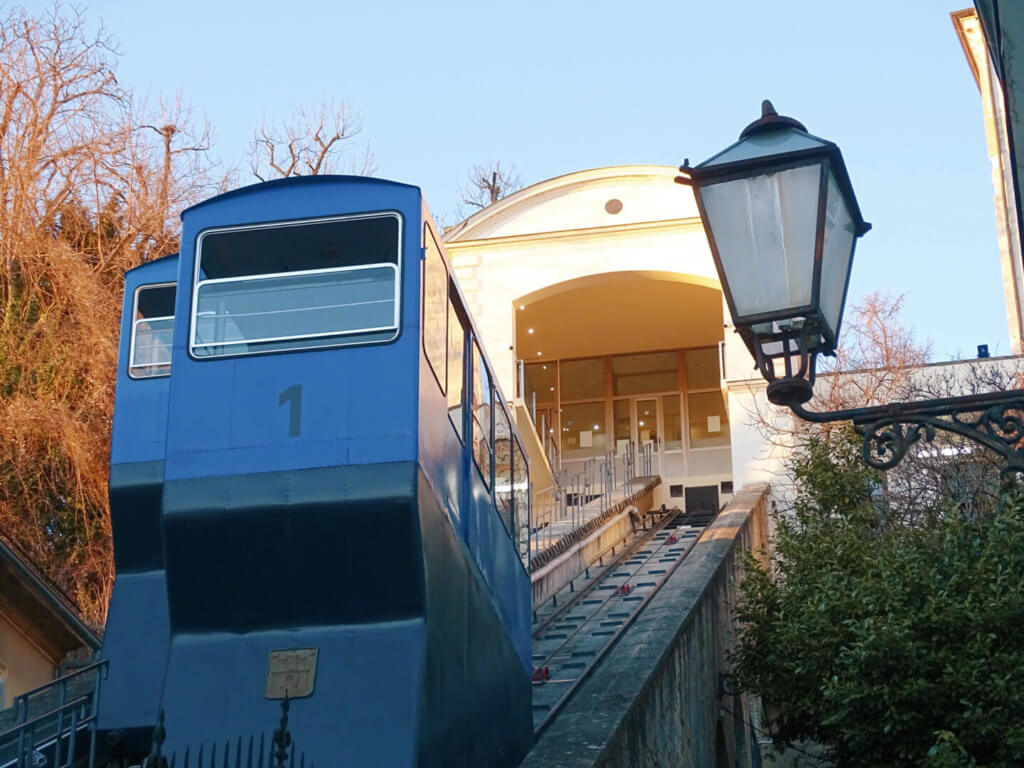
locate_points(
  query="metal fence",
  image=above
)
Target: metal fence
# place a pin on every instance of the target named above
(55, 724)
(277, 751)
(584, 490)
(57, 729)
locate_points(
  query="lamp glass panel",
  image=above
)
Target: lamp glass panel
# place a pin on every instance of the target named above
(836, 254)
(765, 144)
(764, 227)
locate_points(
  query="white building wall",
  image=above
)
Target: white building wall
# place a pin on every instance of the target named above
(518, 267)
(560, 230)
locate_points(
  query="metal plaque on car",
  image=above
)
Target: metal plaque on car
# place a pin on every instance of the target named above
(291, 671)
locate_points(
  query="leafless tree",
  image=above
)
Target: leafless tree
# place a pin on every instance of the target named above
(313, 142)
(879, 361)
(487, 184)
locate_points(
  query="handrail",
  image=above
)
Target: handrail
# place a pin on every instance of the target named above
(60, 682)
(81, 713)
(597, 478)
(29, 724)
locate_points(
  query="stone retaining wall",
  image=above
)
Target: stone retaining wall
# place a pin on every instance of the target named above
(659, 698)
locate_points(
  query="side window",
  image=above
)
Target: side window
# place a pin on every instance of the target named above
(481, 414)
(297, 285)
(503, 465)
(152, 331)
(435, 302)
(521, 500)
(456, 343)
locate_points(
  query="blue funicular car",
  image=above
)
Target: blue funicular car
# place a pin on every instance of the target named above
(341, 490)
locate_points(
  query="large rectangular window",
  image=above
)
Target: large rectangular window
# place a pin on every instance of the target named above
(671, 414)
(709, 420)
(583, 430)
(540, 383)
(581, 379)
(435, 307)
(297, 285)
(152, 331)
(456, 350)
(705, 404)
(482, 395)
(702, 368)
(621, 412)
(503, 466)
(521, 500)
(645, 374)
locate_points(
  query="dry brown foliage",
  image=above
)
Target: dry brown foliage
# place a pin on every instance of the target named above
(88, 189)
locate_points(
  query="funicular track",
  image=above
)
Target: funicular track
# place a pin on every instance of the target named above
(572, 638)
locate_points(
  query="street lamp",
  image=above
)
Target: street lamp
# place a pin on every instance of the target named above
(782, 222)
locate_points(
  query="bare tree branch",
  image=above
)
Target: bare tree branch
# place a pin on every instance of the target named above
(879, 361)
(312, 143)
(90, 186)
(487, 184)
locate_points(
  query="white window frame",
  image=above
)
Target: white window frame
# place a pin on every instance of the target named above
(197, 284)
(135, 321)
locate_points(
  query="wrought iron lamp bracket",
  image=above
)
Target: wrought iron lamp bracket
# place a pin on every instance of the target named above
(994, 420)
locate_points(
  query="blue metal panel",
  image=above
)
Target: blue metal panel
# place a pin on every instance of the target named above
(356, 524)
(364, 709)
(136, 638)
(358, 403)
(452, 473)
(140, 405)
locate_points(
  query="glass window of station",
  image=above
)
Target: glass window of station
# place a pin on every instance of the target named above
(297, 285)
(152, 331)
(589, 408)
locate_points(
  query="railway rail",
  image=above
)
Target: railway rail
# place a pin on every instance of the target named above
(570, 639)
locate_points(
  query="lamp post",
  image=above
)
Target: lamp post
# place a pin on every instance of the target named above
(782, 221)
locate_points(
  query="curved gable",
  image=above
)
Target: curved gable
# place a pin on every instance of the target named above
(602, 197)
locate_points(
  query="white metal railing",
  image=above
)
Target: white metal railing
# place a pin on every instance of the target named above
(585, 492)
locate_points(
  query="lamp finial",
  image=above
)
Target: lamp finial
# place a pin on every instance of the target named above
(770, 120)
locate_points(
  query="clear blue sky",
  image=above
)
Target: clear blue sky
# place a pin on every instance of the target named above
(565, 85)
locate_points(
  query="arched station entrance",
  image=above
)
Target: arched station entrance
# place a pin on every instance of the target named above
(598, 301)
(626, 361)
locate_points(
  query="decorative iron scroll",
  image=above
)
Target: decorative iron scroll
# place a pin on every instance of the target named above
(994, 420)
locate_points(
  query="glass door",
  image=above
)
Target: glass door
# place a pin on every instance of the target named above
(672, 457)
(647, 417)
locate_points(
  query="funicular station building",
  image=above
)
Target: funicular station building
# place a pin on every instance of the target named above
(598, 298)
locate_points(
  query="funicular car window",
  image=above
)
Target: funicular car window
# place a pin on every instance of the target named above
(297, 285)
(521, 498)
(435, 303)
(503, 465)
(152, 331)
(456, 350)
(481, 415)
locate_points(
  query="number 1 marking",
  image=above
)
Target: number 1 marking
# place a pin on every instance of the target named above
(293, 396)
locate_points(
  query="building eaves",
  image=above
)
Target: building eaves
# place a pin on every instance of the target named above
(1003, 23)
(39, 606)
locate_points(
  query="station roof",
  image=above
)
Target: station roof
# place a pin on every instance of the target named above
(38, 608)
